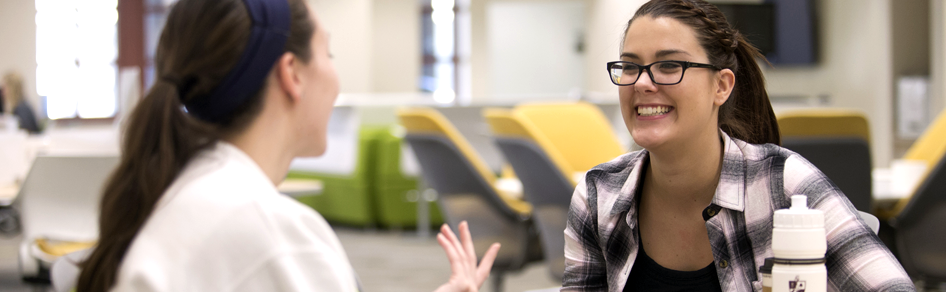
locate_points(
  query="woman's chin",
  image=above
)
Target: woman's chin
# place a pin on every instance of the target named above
(648, 139)
(649, 145)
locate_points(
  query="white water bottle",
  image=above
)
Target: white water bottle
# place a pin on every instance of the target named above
(799, 244)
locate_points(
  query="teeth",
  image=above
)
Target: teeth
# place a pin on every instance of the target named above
(652, 110)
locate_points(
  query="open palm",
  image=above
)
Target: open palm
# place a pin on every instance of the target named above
(466, 276)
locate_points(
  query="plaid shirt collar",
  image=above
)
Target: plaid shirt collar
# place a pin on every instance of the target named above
(730, 193)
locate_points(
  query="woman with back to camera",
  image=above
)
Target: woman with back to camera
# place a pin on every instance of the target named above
(14, 99)
(693, 210)
(243, 87)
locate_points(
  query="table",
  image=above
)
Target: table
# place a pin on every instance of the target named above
(8, 194)
(884, 193)
(300, 187)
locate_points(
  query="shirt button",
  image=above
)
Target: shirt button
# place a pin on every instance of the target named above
(711, 212)
(723, 264)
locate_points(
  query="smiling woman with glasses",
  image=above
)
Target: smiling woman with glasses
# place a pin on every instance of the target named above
(693, 210)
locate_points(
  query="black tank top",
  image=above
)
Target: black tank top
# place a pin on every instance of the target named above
(648, 275)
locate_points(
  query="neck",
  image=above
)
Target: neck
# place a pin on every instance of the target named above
(265, 141)
(686, 175)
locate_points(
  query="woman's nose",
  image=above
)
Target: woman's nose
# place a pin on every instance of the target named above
(645, 83)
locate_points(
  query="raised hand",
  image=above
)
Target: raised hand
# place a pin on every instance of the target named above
(466, 276)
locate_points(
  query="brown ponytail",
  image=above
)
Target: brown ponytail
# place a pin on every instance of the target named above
(748, 114)
(201, 42)
(159, 141)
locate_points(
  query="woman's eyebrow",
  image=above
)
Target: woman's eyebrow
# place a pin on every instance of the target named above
(664, 53)
(658, 55)
(629, 55)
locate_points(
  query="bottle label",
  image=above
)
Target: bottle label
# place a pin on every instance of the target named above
(799, 279)
(797, 285)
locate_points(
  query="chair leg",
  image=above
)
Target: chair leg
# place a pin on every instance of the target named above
(934, 286)
(930, 286)
(497, 280)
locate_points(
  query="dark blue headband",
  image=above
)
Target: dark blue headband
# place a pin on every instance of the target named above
(266, 44)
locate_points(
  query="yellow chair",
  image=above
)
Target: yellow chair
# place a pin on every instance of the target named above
(929, 148)
(917, 221)
(550, 145)
(467, 191)
(837, 142)
(579, 131)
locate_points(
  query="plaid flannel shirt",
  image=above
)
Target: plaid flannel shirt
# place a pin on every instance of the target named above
(601, 240)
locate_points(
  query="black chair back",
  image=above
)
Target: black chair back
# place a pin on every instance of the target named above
(844, 160)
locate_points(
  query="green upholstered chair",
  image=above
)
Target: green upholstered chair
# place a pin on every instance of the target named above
(395, 184)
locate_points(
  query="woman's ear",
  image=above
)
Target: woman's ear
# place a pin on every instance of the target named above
(287, 75)
(725, 81)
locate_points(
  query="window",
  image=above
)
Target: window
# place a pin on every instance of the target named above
(156, 14)
(76, 53)
(439, 50)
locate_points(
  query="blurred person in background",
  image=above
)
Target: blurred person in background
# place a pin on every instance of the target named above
(243, 87)
(693, 210)
(15, 103)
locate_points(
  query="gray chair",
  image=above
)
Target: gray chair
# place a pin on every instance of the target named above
(844, 160)
(466, 192)
(468, 120)
(59, 200)
(548, 177)
(919, 232)
(549, 192)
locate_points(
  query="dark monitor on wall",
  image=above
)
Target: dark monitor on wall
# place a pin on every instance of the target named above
(755, 22)
(785, 31)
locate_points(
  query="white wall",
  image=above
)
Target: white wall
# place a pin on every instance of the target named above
(395, 45)
(479, 51)
(854, 70)
(375, 44)
(604, 25)
(937, 57)
(533, 48)
(604, 30)
(349, 26)
(18, 49)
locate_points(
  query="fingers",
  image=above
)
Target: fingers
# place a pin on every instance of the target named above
(467, 241)
(457, 264)
(482, 271)
(462, 256)
(445, 230)
(447, 246)
(448, 242)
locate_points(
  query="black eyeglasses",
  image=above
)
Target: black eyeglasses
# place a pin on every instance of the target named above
(665, 72)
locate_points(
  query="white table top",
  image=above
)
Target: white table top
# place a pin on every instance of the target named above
(885, 194)
(8, 193)
(300, 187)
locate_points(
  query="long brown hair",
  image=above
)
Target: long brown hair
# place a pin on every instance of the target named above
(202, 40)
(748, 114)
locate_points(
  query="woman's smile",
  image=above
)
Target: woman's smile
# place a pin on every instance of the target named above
(653, 112)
